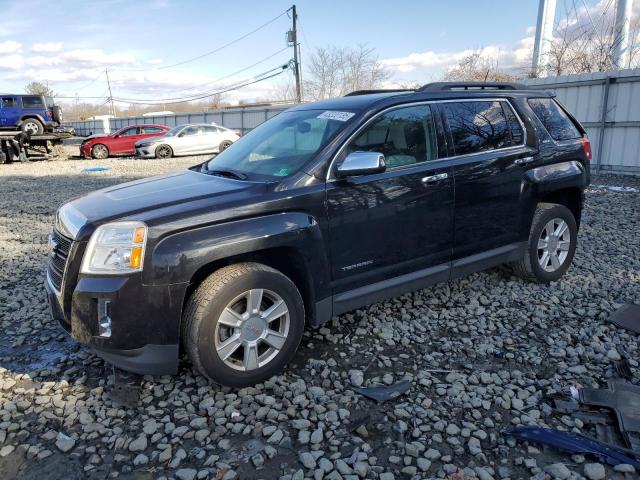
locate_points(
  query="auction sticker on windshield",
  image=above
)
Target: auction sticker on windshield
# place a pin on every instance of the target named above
(333, 115)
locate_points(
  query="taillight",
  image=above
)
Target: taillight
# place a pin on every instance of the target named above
(50, 113)
(586, 147)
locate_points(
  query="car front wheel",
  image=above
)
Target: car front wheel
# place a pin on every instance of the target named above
(99, 151)
(164, 151)
(243, 324)
(32, 126)
(551, 246)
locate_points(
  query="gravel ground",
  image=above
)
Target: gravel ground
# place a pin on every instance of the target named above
(482, 353)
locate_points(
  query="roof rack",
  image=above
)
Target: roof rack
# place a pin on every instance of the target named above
(367, 92)
(448, 86)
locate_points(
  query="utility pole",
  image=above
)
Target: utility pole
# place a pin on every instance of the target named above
(544, 34)
(621, 34)
(113, 108)
(294, 41)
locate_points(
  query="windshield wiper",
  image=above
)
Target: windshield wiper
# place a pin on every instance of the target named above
(228, 173)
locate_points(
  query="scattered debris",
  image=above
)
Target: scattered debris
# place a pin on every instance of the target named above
(357, 423)
(623, 368)
(576, 443)
(615, 188)
(385, 393)
(627, 317)
(96, 169)
(624, 399)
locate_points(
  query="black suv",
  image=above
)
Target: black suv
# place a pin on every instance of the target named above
(323, 209)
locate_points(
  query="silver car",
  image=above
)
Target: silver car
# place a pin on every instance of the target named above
(191, 139)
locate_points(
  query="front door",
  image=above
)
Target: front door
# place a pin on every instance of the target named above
(396, 222)
(488, 143)
(125, 141)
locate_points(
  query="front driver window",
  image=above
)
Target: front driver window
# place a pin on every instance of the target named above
(405, 136)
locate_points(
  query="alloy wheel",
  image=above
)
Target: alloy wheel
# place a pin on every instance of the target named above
(252, 329)
(554, 244)
(31, 127)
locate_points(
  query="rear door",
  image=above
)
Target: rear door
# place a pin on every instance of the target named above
(397, 222)
(487, 141)
(9, 111)
(190, 140)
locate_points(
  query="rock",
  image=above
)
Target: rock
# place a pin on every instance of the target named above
(558, 471)
(307, 460)
(317, 436)
(186, 473)
(594, 471)
(64, 442)
(423, 464)
(141, 459)
(6, 450)
(139, 444)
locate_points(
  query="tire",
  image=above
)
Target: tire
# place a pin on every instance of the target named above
(530, 267)
(164, 151)
(32, 126)
(56, 111)
(99, 151)
(224, 145)
(227, 291)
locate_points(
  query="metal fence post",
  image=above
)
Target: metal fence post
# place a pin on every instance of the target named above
(603, 122)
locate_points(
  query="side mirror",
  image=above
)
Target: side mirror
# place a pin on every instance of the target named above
(361, 163)
(181, 134)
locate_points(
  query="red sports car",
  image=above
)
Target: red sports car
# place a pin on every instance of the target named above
(120, 142)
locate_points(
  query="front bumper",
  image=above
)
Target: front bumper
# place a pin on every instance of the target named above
(146, 152)
(85, 151)
(145, 321)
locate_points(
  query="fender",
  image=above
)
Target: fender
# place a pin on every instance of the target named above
(177, 257)
(33, 115)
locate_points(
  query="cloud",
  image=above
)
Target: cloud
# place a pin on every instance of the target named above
(46, 47)
(10, 46)
(508, 57)
(11, 62)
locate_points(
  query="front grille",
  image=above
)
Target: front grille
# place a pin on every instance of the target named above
(58, 257)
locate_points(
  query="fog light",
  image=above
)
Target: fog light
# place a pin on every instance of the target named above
(104, 318)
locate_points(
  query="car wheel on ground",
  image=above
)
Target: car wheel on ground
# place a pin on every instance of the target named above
(32, 126)
(243, 324)
(224, 145)
(99, 151)
(164, 151)
(551, 246)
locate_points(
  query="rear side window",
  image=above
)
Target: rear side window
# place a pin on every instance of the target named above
(557, 123)
(8, 102)
(147, 130)
(32, 102)
(480, 127)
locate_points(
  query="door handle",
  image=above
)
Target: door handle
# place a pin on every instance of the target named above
(524, 161)
(435, 178)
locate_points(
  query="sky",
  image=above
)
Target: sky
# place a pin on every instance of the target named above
(68, 44)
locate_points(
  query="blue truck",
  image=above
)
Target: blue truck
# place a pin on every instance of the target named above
(32, 114)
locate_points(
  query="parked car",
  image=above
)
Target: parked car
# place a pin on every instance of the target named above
(192, 139)
(120, 142)
(33, 114)
(323, 209)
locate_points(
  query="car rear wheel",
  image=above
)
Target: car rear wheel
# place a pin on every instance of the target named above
(551, 246)
(243, 324)
(99, 151)
(224, 145)
(32, 126)
(164, 151)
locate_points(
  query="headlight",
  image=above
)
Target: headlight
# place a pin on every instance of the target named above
(115, 248)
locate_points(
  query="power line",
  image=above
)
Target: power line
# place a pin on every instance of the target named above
(211, 94)
(233, 73)
(90, 83)
(207, 92)
(211, 52)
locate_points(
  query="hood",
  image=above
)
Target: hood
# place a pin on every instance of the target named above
(137, 199)
(96, 135)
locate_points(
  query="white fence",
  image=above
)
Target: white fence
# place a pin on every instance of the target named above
(608, 105)
(243, 119)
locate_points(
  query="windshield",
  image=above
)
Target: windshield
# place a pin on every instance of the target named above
(174, 131)
(282, 145)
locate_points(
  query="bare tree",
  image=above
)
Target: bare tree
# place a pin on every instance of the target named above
(283, 92)
(478, 67)
(38, 88)
(332, 71)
